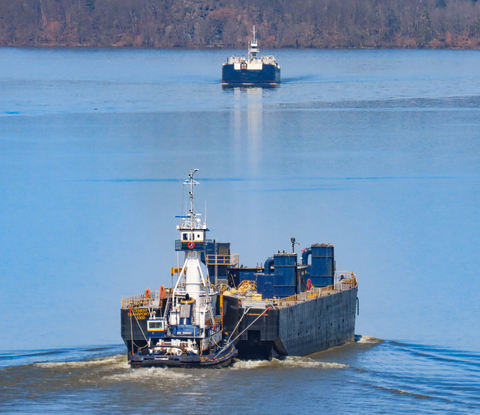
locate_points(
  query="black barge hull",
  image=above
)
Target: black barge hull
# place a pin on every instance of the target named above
(297, 330)
(134, 327)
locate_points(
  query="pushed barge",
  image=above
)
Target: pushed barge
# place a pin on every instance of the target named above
(238, 71)
(283, 308)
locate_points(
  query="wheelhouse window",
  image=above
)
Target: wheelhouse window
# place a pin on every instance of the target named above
(156, 325)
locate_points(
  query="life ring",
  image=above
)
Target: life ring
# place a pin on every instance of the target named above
(191, 245)
(309, 284)
(147, 293)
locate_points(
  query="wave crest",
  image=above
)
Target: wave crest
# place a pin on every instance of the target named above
(147, 374)
(288, 362)
(368, 340)
(107, 361)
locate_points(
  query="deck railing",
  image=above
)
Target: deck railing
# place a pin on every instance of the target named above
(142, 300)
(344, 280)
(342, 285)
(231, 260)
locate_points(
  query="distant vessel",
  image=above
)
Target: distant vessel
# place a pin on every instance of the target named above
(283, 308)
(251, 71)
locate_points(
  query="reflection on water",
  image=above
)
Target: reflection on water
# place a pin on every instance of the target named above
(248, 103)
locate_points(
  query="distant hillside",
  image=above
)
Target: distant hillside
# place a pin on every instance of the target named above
(227, 23)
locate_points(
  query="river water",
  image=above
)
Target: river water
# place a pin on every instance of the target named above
(374, 151)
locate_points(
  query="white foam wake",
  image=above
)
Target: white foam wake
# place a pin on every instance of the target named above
(288, 362)
(119, 360)
(149, 374)
(368, 339)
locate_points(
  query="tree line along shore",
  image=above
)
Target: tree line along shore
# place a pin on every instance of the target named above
(228, 23)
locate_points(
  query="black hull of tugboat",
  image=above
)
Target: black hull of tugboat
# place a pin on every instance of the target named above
(297, 330)
(269, 75)
(212, 361)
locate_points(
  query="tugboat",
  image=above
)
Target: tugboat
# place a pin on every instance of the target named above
(188, 333)
(288, 306)
(238, 71)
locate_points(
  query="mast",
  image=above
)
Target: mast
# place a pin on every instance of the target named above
(253, 47)
(192, 183)
(191, 221)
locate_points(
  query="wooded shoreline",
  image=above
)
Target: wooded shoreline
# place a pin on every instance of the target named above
(323, 24)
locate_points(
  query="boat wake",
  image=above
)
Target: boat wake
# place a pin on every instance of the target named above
(367, 339)
(403, 392)
(288, 362)
(119, 360)
(147, 375)
(55, 358)
(396, 372)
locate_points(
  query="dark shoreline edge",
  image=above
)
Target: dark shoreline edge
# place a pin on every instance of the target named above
(220, 48)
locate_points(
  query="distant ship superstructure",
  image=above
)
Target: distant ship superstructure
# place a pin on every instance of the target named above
(251, 71)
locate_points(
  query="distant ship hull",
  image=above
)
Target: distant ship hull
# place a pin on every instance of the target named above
(268, 75)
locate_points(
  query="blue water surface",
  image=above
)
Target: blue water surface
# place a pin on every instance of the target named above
(376, 151)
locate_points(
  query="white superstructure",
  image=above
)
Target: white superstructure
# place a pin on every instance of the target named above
(193, 287)
(252, 62)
